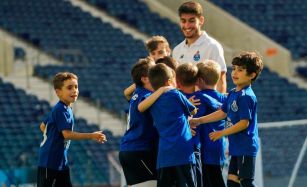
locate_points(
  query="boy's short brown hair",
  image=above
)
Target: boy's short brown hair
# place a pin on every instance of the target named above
(59, 78)
(169, 61)
(191, 7)
(250, 61)
(141, 69)
(186, 74)
(209, 71)
(153, 42)
(159, 74)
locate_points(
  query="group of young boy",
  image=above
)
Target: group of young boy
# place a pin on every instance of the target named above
(178, 119)
(163, 143)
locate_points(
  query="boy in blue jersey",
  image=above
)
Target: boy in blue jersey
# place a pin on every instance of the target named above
(53, 167)
(139, 144)
(240, 108)
(212, 152)
(170, 112)
(186, 77)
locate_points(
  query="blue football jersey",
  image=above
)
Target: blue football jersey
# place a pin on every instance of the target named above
(141, 134)
(242, 105)
(170, 113)
(54, 148)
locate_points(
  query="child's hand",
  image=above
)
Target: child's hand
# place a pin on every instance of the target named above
(193, 131)
(216, 135)
(195, 102)
(194, 122)
(99, 137)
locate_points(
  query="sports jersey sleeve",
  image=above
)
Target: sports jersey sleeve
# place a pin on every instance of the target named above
(188, 106)
(63, 120)
(225, 104)
(245, 105)
(217, 54)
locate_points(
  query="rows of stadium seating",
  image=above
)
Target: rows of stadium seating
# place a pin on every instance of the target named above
(280, 150)
(20, 137)
(108, 71)
(138, 15)
(283, 21)
(302, 71)
(55, 24)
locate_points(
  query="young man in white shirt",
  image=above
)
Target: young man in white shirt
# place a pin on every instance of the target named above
(198, 45)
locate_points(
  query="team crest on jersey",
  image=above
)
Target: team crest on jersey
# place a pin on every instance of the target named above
(196, 56)
(134, 97)
(234, 106)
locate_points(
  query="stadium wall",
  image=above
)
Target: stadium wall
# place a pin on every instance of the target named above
(235, 35)
(6, 55)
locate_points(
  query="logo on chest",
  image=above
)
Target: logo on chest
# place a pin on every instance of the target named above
(196, 56)
(234, 106)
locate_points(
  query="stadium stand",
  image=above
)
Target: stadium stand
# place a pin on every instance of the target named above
(138, 15)
(55, 24)
(282, 21)
(280, 147)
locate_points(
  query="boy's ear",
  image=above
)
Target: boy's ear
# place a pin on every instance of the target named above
(252, 75)
(199, 81)
(57, 91)
(145, 80)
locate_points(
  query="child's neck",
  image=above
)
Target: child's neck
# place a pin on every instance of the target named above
(240, 87)
(188, 89)
(208, 87)
(148, 87)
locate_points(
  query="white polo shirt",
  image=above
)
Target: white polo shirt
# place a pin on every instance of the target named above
(204, 48)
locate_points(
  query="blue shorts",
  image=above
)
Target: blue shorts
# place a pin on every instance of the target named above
(183, 175)
(49, 177)
(242, 166)
(138, 166)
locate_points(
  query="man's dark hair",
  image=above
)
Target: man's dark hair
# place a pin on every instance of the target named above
(191, 7)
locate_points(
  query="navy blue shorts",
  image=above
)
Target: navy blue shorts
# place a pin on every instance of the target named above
(242, 166)
(53, 178)
(179, 176)
(138, 166)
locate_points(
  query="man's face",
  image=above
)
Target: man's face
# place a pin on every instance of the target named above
(160, 52)
(191, 25)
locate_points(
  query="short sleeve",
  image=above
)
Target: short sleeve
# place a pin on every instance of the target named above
(245, 105)
(63, 120)
(188, 106)
(217, 54)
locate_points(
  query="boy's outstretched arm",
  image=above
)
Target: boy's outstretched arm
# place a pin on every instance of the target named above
(128, 91)
(238, 127)
(42, 127)
(144, 105)
(215, 116)
(98, 136)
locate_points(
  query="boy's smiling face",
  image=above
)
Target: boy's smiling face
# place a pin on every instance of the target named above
(69, 91)
(240, 77)
(160, 52)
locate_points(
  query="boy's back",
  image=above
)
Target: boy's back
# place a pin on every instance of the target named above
(140, 134)
(216, 157)
(170, 114)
